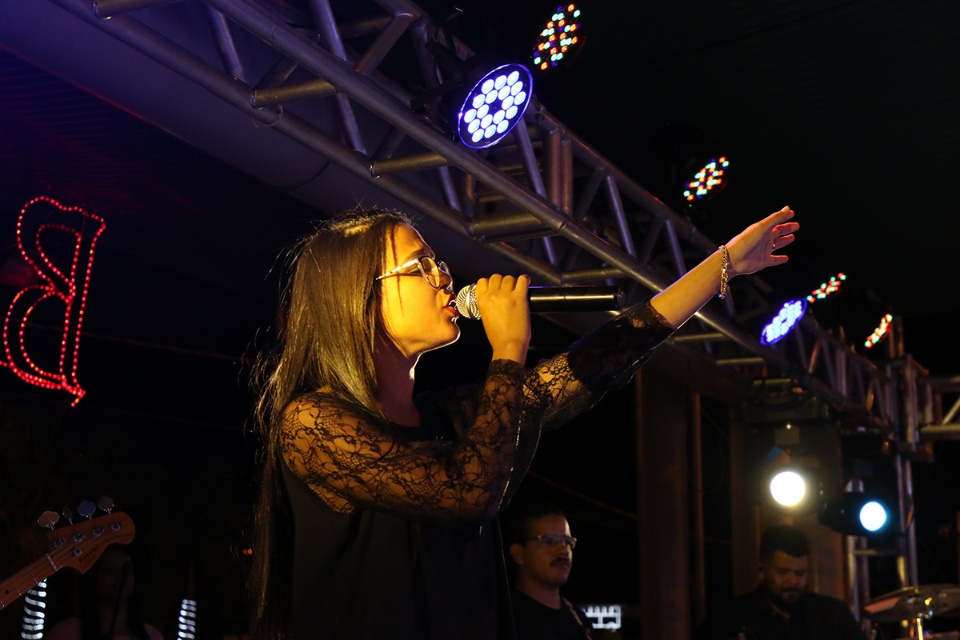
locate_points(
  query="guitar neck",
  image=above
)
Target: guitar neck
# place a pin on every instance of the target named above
(77, 547)
(27, 578)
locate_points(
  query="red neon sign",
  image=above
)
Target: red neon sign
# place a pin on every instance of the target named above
(58, 243)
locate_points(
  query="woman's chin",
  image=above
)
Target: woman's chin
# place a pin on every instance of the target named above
(453, 338)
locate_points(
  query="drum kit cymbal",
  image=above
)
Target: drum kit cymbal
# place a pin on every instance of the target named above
(916, 605)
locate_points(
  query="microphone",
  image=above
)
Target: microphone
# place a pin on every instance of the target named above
(547, 299)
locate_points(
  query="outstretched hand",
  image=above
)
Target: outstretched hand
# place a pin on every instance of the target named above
(753, 248)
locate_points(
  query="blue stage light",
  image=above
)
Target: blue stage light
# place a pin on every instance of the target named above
(874, 516)
(857, 514)
(785, 320)
(494, 105)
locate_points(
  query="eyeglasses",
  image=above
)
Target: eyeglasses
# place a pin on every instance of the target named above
(434, 271)
(551, 539)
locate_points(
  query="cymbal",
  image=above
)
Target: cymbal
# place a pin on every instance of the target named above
(913, 602)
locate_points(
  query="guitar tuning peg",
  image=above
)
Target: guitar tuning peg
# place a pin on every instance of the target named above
(48, 519)
(106, 504)
(67, 514)
(86, 509)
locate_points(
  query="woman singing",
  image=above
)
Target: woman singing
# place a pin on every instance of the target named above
(378, 513)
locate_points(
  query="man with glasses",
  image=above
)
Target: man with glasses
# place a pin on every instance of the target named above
(541, 548)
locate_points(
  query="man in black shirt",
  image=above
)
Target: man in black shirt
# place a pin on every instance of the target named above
(781, 608)
(541, 548)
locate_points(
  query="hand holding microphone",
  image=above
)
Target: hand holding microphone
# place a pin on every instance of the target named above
(506, 318)
(547, 299)
(507, 322)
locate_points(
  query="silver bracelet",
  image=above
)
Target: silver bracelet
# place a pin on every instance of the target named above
(724, 271)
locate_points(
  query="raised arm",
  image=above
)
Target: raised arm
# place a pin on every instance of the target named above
(750, 251)
(609, 356)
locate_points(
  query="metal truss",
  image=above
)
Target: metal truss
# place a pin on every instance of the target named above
(543, 198)
(937, 422)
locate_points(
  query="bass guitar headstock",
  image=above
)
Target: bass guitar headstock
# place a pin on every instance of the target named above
(79, 545)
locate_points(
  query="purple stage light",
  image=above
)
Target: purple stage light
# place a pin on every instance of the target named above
(785, 320)
(494, 106)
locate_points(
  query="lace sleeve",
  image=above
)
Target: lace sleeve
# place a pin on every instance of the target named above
(604, 359)
(350, 461)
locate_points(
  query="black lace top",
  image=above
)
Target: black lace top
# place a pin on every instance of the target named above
(394, 527)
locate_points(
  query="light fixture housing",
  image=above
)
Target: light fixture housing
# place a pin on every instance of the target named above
(479, 100)
(489, 105)
(858, 514)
